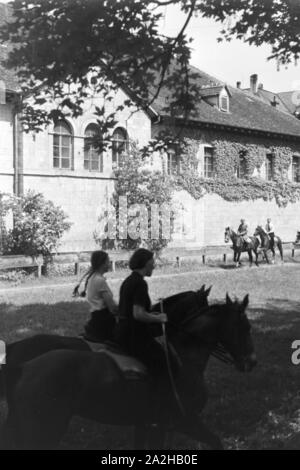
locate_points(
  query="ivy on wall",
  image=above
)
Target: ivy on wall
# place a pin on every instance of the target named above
(225, 183)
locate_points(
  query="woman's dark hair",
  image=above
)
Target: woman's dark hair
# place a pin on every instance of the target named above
(98, 258)
(140, 258)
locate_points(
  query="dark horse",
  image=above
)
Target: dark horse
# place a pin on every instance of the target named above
(266, 245)
(29, 348)
(60, 384)
(239, 246)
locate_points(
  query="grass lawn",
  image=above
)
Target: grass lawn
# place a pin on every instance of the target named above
(260, 410)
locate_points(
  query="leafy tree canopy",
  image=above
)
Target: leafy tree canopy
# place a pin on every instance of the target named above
(70, 50)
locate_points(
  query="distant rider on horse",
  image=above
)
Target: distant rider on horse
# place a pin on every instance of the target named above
(270, 232)
(243, 231)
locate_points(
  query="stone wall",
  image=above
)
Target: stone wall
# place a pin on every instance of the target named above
(82, 194)
(202, 222)
(6, 138)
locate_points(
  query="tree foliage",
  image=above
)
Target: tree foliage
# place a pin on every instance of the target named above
(257, 22)
(38, 225)
(66, 51)
(71, 50)
(143, 187)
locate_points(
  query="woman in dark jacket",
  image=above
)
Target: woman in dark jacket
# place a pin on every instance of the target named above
(133, 331)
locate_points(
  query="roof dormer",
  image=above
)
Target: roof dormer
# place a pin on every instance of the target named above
(217, 96)
(224, 100)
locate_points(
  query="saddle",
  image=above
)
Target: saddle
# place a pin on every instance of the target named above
(131, 367)
(244, 242)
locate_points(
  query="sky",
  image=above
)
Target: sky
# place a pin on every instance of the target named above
(230, 61)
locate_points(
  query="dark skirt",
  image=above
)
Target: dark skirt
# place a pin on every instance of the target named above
(101, 325)
(138, 341)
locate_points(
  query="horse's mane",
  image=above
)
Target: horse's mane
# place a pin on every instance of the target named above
(262, 231)
(180, 306)
(168, 301)
(231, 230)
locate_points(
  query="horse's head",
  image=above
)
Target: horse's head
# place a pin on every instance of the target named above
(202, 295)
(297, 238)
(180, 306)
(259, 231)
(227, 235)
(235, 336)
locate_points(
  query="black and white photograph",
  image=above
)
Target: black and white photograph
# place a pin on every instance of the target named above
(149, 227)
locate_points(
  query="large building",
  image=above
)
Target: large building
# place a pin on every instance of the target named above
(236, 138)
(243, 143)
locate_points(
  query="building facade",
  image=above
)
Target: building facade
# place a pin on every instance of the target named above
(61, 163)
(238, 143)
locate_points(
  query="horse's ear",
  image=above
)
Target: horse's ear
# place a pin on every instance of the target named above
(202, 289)
(245, 301)
(228, 299)
(208, 291)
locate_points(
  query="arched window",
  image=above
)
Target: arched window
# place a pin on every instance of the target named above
(62, 145)
(119, 145)
(93, 155)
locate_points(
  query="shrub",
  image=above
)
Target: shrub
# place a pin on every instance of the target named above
(38, 226)
(16, 276)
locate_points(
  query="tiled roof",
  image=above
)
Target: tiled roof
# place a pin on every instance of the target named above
(8, 76)
(211, 90)
(268, 97)
(287, 97)
(246, 111)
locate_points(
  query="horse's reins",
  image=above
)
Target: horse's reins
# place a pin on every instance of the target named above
(171, 376)
(219, 352)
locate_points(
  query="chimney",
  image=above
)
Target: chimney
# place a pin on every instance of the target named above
(261, 86)
(253, 83)
(238, 85)
(274, 103)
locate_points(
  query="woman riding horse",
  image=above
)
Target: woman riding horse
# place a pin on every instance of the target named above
(60, 384)
(103, 308)
(133, 332)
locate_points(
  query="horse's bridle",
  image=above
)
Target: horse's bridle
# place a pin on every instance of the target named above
(219, 352)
